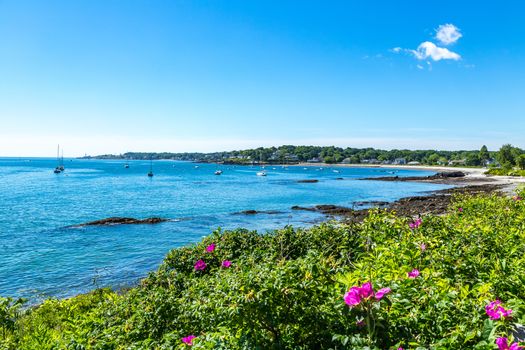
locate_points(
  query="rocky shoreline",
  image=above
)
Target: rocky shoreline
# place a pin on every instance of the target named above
(435, 203)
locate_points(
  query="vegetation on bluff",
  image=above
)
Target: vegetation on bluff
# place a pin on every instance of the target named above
(507, 156)
(512, 161)
(454, 281)
(329, 154)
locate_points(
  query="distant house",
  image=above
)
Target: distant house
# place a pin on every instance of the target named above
(347, 161)
(370, 161)
(490, 161)
(292, 157)
(457, 162)
(400, 161)
(414, 163)
(314, 160)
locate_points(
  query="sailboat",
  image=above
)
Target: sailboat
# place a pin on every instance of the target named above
(150, 173)
(262, 172)
(61, 163)
(58, 168)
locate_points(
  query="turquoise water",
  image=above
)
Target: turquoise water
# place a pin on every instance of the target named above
(43, 256)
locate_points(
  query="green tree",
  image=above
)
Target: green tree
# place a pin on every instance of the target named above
(505, 156)
(520, 161)
(329, 160)
(433, 158)
(472, 159)
(484, 154)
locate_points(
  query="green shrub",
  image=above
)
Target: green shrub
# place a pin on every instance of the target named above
(284, 289)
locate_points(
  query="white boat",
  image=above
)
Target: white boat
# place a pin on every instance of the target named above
(60, 162)
(218, 172)
(261, 173)
(336, 171)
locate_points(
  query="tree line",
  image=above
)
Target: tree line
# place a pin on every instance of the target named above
(508, 156)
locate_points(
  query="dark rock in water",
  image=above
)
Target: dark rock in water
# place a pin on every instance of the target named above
(123, 221)
(249, 212)
(450, 174)
(327, 209)
(339, 178)
(297, 207)
(371, 203)
(254, 212)
(443, 176)
(308, 181)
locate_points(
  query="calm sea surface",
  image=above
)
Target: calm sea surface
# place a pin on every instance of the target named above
(41, 255)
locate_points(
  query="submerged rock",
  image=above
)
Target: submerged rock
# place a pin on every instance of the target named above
(308, 181)
(123, 221)
(439, 177)
(371, 203)
(254, 212)
(327, 209)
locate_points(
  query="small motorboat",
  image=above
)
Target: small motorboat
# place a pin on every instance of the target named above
(126, 165)
(261, 173)
(218, 172)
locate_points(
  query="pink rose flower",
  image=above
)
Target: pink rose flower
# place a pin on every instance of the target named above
(210, 248)
(352, 297)
(382, 292)
(226, 264)
(366, 291)
(413, 274)
(357, 294)
(495, 311)
(415, 224)
(503, 344)
(188, 340)
(200, 265)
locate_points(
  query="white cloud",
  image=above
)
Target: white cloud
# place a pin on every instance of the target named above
(448, 34)
(428, 50)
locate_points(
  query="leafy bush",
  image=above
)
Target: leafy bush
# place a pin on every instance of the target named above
(505, 172)
(308, 289)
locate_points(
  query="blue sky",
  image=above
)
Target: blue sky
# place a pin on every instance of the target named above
(112, 76)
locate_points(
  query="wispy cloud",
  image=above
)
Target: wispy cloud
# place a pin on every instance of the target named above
(448, 34)
(430, 50)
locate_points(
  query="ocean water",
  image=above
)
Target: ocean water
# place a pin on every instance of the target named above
(43, 254)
